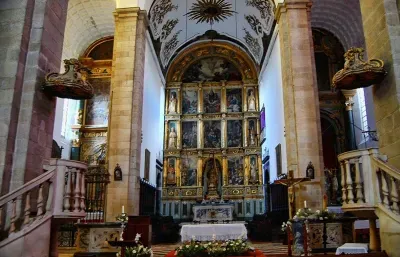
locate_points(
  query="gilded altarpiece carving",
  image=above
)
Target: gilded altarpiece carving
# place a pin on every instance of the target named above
(211, 147)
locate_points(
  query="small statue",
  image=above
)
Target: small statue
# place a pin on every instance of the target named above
(252, 137)
(172, 138)
(172, 104)
(251, 101)
(253, 171)
(171, 175)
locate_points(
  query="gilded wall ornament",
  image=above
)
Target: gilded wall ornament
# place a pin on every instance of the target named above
(72, 84)
(357, 73)
(210, 11)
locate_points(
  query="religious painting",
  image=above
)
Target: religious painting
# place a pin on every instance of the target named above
(262, 124)
(97, 107)
(189, 171)
(212, 69)
(147, 164)
(212, 134)
(93, 150)
(235, 133)
(189, 101)
(212, 100)
(172, 135)
(278, 156)
(252, 136)
(310, 171)
(189, 134)
(173, 102)
(234, 100)
(171, 180)
(251, 100)
(253, 170)
(235, 170)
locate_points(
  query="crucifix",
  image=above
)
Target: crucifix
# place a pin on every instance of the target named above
(290, 182)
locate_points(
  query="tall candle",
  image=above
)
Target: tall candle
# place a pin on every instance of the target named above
(123, 209)
(305, 204)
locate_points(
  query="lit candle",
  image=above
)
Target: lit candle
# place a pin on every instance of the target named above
(305, 204)
(123, 209)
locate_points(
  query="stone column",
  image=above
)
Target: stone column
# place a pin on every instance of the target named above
(31, 46)
(300, 96)
(351, 136)
(381, 24)
(126, 105)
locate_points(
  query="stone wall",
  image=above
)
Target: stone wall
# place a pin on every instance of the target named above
(382, 37)
(31, 42)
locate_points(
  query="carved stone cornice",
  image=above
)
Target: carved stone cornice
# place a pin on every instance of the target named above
(357, 73)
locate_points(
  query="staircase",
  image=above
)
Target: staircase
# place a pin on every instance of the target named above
(30, 213)
(370, 190)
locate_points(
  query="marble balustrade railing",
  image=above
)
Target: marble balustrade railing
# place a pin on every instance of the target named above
(59, 192)
(369, 182)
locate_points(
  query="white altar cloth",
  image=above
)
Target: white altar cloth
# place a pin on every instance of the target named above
(205, 232)
(352, 248)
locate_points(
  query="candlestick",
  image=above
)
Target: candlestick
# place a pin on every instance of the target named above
(123, 209)
(305, 204)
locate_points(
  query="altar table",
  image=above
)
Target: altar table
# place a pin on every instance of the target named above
(205, 232)
(213, 212)
(352, 248)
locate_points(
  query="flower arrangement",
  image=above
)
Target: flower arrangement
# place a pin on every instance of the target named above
(123, 217)
(285, 225)
(139, 250)
(325, 214)
(303, 214)
(213, 249)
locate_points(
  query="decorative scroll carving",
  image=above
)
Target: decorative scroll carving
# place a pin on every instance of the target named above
(72, 84)
(357, 73)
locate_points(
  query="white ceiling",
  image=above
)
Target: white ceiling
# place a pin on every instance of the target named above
(238, 26)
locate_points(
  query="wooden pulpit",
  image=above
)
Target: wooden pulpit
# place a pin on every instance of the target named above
(138, 225)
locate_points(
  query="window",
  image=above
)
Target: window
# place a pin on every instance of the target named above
(363, 109)
(65, 118)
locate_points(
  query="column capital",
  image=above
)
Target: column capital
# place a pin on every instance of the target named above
(129, 12)
(349, 94)
(291, 4)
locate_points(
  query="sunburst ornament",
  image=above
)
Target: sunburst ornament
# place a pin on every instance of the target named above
(210, 11)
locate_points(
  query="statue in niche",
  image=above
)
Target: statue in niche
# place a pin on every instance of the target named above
(251, 101)
(212, 171)
(253, 171)
(171, 173)
(253, 133)
(172, 103)
(172, 138)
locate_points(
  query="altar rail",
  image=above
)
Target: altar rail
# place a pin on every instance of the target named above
(59, 192)
(368, 182)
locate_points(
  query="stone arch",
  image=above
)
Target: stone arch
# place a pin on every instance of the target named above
(225, 50)
(87, 21)
(340, 17)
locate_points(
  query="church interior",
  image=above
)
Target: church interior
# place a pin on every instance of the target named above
(141, 128)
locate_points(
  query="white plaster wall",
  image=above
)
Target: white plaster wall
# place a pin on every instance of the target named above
(64, 141)
(271, 96)
(153, 114)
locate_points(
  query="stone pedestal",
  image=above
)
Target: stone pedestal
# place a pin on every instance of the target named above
(300, 96)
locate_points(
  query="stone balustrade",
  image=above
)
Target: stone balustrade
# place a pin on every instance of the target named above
(59, 193)
(368, 183)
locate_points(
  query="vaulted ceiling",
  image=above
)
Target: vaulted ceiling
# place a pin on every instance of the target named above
(176, 23)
